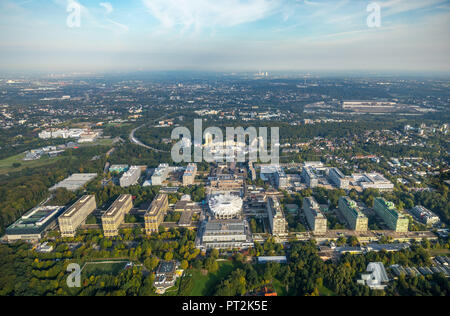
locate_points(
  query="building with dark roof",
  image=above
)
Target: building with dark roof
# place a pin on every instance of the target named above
(33, 224)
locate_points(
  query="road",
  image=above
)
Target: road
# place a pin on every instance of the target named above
(136, 141)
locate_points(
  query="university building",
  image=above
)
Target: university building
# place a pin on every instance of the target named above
(278, 223)
(316, 220)
(155, 213)
(391, 216)
(356, 220)
(115, 215)
(189, 174)
(75, 215)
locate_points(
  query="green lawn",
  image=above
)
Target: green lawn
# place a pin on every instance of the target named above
(204, 285)
(112, 268)
(324, 291)
(99, 142)
(6, 165)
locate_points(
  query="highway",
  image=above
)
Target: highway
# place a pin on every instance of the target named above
(136, 141)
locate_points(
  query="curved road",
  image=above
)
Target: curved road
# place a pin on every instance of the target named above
(136, 141)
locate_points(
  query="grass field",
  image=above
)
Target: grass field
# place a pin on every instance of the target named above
(324, 291)
(111, 268)
(6, 165)
(204, 285)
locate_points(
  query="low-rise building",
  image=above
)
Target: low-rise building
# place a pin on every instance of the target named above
(277, 259)
(425, 215)
(115, 215)
(187, 206)
(372, 181)
(75, 181)
(118, 168)
(281, 179)
(225, 234)
(165, 276)
(376, 278)
(32, 225)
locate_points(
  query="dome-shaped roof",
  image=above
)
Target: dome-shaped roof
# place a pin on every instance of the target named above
(225, 205)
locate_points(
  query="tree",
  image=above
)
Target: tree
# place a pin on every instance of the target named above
(184, 264)
(214, 253)
(168, 256)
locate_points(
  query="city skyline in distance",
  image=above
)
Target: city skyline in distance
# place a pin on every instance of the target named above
(206, 35)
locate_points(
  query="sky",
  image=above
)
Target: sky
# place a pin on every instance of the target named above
(224, 35)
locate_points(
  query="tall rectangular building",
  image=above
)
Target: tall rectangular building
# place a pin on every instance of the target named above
(338, 178)
(281, 179)
(160, 174)
(390, 215)
(278, 223)
(115, 215)
(310, 177)
(130, 177)
(155, 213)
(189, 174)
(315, 218)
(356, 220)
(75, 215)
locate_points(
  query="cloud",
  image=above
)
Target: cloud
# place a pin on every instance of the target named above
(392, 7)
(121, 26)
(108, 7)
(208, 14)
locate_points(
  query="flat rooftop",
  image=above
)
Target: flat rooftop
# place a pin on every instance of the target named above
(186, 219)
(77, 205)
(36, 220)
(75, 181)
(314, 207)
(188, 206)
(166, 267)
(117, 205)
(156, 204)
(224, 226)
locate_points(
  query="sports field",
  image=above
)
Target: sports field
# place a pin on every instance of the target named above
(101, 268)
